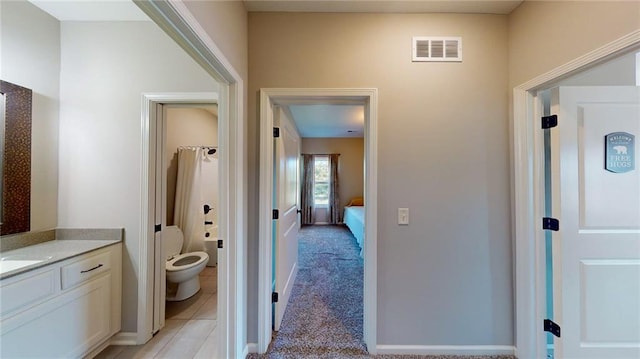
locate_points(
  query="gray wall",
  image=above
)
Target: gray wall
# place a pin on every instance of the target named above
(572, 29)
(446, 278)
(619, 71)
(31, 58)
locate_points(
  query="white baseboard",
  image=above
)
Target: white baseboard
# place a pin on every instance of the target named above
(125, 338)
(446, 349)
(251, 348)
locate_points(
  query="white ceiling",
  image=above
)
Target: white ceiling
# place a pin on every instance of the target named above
(328, 121)
(92, 10)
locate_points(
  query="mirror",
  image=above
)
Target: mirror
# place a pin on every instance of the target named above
(15, 152)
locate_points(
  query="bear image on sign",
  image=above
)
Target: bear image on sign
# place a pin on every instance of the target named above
(621, 150)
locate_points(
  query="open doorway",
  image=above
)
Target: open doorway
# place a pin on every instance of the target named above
(542, 267)
(178, 22)
(184, 182)
(191, 196)
(274, 98)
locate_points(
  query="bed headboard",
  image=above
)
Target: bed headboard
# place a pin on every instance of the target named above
(356, 201)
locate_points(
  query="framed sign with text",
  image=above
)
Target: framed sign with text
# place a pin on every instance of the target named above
(619, 152)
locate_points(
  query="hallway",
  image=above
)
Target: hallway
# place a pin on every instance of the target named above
(324, 314)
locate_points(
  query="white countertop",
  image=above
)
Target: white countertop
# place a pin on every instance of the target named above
(21, 260)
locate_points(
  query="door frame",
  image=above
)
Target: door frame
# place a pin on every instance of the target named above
(529, 190)
(173, 17)
(287, 96)
(156, 146)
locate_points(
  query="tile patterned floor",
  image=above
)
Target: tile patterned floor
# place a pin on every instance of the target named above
(189, 331)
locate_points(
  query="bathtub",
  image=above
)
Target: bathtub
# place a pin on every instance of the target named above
(211, 247)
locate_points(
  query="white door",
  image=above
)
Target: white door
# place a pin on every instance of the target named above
(596, 198)
(286, 159)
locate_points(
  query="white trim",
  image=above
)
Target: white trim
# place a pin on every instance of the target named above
(529, 192)
(288, 287)
(250, 348)
(178, 22)
(124, 338)
(446, 349)
(368, 98)
(147, 184)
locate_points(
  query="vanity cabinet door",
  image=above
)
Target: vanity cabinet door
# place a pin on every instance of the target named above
(64, 327)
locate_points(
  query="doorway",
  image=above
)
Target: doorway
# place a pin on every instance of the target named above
(190, 199)
(160, 152)
(178, 22)
(530, 249)
(271, 98)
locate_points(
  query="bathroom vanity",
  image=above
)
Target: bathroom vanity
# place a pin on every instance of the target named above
(60, 298)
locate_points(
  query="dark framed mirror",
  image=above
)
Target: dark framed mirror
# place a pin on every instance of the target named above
(15, 215)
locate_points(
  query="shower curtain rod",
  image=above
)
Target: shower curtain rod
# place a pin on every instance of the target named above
(211, 149)
(320, 154)
(202, 146)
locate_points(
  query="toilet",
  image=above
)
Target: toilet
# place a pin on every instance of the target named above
(182, 269)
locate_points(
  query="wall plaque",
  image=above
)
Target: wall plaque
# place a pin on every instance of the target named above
(619, 152)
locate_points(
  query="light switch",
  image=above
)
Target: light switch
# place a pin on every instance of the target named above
(403, 215)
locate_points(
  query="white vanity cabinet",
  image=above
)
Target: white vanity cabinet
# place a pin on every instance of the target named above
(64, 310)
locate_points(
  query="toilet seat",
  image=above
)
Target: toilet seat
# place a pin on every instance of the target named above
(186, 260)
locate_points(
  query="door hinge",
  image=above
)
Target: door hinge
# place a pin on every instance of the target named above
(276, 214)
(157, 228)
(276, 132)
(551, 327)
(220, 243)
(274, 297)
(549, 121)
(550, 224)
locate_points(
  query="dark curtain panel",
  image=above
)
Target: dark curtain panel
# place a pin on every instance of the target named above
(334, 190)
(306, 197)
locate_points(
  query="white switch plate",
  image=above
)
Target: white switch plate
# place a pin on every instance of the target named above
(403, 215)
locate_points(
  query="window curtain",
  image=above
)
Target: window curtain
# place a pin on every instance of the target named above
(306, 197)
(334, 190)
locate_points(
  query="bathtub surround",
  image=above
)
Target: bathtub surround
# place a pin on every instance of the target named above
(196, 199)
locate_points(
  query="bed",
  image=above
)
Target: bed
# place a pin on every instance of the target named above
(354, 219)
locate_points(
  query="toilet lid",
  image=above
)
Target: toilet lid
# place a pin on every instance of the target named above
(172, 241)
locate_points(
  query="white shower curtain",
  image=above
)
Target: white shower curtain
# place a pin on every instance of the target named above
(188, 213)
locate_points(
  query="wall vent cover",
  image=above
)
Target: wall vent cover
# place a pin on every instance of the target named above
(437, 49)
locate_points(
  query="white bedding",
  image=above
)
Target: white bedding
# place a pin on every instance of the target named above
(354, 219)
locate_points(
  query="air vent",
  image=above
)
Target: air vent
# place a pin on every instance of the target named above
(436, 49)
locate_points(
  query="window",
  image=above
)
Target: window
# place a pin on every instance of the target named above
(321, 181)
